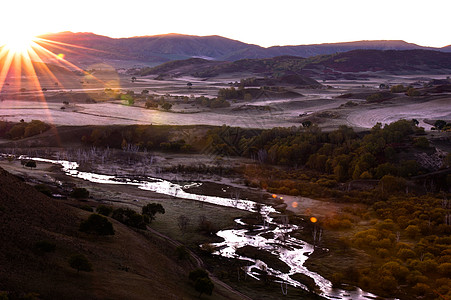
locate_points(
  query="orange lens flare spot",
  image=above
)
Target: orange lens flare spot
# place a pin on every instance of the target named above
(60, 56)
(294, 204)
(313, 220)
(274, 196)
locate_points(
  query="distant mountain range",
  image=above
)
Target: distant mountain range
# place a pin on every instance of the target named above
(153, 50)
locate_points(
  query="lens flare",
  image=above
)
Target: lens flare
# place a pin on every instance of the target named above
(313, 220)
(17, 41)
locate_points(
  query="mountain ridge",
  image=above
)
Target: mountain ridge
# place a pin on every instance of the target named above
(156, 49)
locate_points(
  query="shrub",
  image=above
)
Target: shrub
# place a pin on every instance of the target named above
(398, 89)
(104, 210)
(152, 209)
(198, 273)
(411, 92)
(79, 193)
(445, 269)
(97, 224)
(413, 231)
(204, 285)
(30, 164)
(421, 142)
(80, 263)
(405, 254)
(166, 106)
(421, 289)
(131, 218)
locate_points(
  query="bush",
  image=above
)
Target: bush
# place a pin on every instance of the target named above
(413, 231)
(80, 263)
(79, 193)
(97, 224)
(445, 269)
(411, 92)
(405, 254)
(30, 164)
(166, 106)
(198, 273)
(152, 209)
(398, 89)
(421, 142)
(131, 218)
(104, 210)
(204, 285)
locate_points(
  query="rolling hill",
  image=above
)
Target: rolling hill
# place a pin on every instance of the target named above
(127, 265)
(355, 61)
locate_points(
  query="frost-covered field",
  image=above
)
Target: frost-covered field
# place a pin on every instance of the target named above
(257, 113)
(435, 109)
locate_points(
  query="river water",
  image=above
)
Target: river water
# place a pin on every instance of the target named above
(272, 237)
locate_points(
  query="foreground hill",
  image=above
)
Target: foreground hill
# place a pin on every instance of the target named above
(127, 265)
(162, 48)
(388, 61)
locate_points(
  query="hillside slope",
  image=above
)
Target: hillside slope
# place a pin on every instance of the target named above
(127, 265)
(388, 61)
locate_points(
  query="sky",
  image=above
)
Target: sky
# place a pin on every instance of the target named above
(262, 22)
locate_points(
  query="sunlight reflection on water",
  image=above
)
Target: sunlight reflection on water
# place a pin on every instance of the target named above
(292, 251)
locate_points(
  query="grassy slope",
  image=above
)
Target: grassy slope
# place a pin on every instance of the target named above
(27, 217)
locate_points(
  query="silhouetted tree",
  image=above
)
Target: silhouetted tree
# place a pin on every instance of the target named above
(80, 263)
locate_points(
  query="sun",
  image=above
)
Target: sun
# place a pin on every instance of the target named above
(17, 42)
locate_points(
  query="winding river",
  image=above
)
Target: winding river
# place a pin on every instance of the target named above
(272, 237)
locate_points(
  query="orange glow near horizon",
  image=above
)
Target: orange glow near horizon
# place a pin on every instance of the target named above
(24, 57)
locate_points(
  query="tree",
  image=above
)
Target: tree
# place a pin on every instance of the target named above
(133, 79)
(439, 124)
(306, 124)
(189, 84)
(166, 106)
(152, 209)
(80, 263)
(196, 274)
(204, 285)
(104, 210)
(30, 164)
(411, 92)
(202, 282)
(131, 218)
(97, 224)
(79, 193)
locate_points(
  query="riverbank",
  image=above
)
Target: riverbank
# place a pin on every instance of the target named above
(216, 216)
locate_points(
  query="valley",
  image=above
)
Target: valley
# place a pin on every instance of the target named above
(279, 183)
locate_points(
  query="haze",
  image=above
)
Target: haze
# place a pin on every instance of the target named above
(256, 22)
